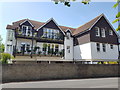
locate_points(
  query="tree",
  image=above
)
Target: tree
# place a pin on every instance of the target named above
(67, 2)
(118, 15)
(2, 47)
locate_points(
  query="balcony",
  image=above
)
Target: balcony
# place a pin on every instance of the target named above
(19, 34)
(48, 40)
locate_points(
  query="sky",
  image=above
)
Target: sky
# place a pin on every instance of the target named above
(74, 16)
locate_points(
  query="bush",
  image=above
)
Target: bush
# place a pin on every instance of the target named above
(4, 57)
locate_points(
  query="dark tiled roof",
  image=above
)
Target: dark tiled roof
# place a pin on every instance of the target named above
(87, 25)
(74, 31)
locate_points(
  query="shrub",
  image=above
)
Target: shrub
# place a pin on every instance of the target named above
(4, 57)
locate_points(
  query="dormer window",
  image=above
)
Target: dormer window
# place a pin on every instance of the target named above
(97, 31)
(110, 32)
(103, 32)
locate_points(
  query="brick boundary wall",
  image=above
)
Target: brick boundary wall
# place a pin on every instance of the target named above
(38, 71)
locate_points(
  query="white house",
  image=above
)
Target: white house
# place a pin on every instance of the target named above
(94, 41)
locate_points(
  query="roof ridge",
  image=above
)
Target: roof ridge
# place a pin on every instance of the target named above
(91, 20)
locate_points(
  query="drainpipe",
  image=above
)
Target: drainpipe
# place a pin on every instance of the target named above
(73, 50)
(32, 46)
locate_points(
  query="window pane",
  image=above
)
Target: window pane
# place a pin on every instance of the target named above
(103, 32)
(97, 32)
(98, 47)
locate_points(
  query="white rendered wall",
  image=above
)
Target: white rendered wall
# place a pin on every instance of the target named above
(110, 54)
(82, 51)
(68, 42)
(9, 44)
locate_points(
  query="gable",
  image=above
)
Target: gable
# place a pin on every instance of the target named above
(26, 23)
(52, 25)
(103, 23)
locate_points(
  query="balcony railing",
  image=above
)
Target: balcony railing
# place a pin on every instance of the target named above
(40, 39)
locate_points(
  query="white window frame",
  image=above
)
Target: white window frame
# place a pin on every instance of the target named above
(97, 30)
(50, 31)
(27, 30)
(103, 32)
(110, 32)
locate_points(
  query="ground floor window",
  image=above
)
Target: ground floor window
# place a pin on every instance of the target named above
(98, 47)
(104, 47)
(68, 49)
(111, 46)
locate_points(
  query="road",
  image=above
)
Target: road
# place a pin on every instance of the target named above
(73, 83)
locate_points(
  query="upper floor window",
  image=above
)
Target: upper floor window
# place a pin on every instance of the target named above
(104, 47)
(110, 32)
(97, 31)
(98, 46)
(10, 35)
(26, 30)
(51, 33)
(103, 32)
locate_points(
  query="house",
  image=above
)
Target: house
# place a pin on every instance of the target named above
(94, 41)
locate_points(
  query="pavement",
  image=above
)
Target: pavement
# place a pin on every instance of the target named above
(72, 83)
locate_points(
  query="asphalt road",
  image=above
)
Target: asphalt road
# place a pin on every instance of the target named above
(74, 83)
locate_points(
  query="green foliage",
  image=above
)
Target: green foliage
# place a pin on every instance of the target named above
(115, 5)
(67, 2)
(85, 1)
(4, 57)
(116, 20)
(2, 48)
(118, 15)
(44, 48)
(118, 28)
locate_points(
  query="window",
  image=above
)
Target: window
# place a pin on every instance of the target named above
(10, 35)
(103, 32)
(110, 32)
(111, 46)
(97, 31)
(104, 47)
(68, 49)
(68, 35)
(26, 30)
(56, 49)
(51, 33)
(98, 47)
